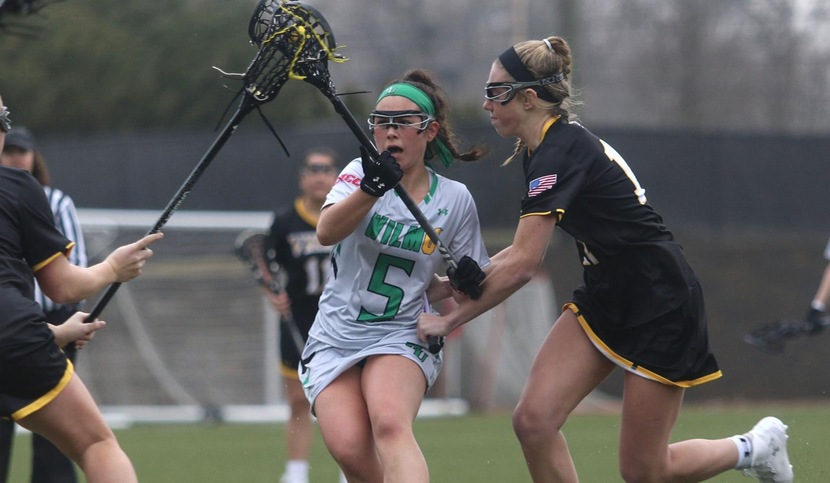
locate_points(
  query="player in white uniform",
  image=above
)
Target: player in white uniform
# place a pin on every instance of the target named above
(818, 306)
(364, 370)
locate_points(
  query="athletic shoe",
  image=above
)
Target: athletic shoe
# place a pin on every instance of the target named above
(770, 463)
(287, 479)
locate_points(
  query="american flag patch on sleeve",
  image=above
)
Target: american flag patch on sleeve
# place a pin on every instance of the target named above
(541, 184)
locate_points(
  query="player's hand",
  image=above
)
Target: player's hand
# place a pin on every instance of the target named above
(467, 277)
(75, 331)
(439, 289)
(432, 325)
(379, 175)
(128, 260)
(814, 325)
(281, 303)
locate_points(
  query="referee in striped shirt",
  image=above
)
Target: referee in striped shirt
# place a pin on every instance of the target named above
(49, 465)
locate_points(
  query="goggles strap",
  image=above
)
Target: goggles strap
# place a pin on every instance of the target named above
(513, 65)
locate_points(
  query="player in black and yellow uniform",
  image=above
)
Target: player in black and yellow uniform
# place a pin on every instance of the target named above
(304, 263)
(640, 306)
(38, 387)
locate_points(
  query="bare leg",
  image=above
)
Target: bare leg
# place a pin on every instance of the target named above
(49, 465)
(650, 410)
(566, 369)
(300, 429)
(74, 424)
(344, 423)
(394, 389)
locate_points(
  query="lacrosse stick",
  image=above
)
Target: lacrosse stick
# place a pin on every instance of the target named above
(314, 70)
(279, 54)
(250, 246)
(773, 337)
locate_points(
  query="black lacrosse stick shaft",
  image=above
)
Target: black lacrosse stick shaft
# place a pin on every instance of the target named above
(245, 107)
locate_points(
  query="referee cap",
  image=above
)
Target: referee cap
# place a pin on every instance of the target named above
(20, 137)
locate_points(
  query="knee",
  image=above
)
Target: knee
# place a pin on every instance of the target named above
(347, 453)
(533, 424)
(357, 459)
(640, 471)
(104, 449)
(389, 428)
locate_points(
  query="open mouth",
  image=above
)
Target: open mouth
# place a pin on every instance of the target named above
(394, 149)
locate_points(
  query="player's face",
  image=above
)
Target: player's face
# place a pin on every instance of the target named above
(318, 177)
(504, 117)
(404, 137)
(15, 157)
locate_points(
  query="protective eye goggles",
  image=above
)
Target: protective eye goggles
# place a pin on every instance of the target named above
(319, 168)
(504, 92)
(387, 119)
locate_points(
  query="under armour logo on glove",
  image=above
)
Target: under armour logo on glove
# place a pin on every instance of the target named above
(379, 175)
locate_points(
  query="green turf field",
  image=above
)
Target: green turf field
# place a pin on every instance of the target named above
(476, 448)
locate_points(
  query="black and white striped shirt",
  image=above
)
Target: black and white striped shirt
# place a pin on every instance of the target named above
(66, 221)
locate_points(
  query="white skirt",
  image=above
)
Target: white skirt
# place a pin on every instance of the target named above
(323, 363)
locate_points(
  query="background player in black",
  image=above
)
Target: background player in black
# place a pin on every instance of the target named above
(38, 386)
(304, 262)
(640, 306)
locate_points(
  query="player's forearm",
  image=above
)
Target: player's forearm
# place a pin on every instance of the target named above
(340, 220)
(501, 256)
(81, 283)
(510, 269)
(502, 281)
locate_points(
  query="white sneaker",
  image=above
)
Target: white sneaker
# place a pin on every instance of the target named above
(770, 463)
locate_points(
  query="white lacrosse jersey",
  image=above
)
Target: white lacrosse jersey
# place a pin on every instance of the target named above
(380, 273)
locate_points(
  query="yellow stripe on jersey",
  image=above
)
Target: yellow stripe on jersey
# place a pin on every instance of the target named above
(49, 260)
(628, 365)
(559, 214)
(48, 397)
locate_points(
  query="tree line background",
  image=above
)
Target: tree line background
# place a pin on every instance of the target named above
(704, 65)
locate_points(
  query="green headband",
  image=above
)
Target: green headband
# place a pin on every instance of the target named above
(425, 104)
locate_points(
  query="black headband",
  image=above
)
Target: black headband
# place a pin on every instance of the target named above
(513, 65)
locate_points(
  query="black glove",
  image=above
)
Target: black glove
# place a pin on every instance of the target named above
(814, 325)
(435, 344)
(379, 175)
(467, 278)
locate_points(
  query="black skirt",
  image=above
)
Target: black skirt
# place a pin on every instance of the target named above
(33, 369)
(645, 311)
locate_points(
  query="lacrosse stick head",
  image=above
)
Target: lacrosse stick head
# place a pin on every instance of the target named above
(295, 42)
(773, 337)
(19, 9)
